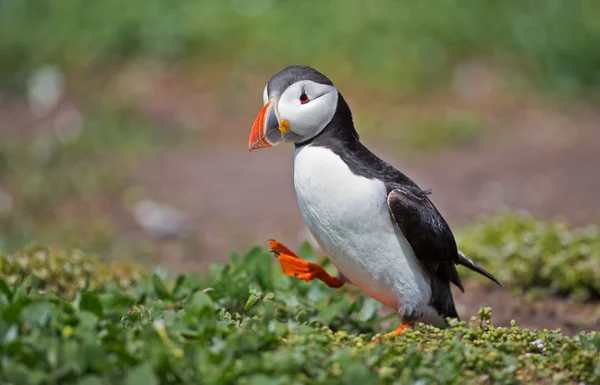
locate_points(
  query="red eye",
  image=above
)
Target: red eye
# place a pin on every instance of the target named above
(303, 98)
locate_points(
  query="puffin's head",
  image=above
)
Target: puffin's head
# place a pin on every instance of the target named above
(299, 103)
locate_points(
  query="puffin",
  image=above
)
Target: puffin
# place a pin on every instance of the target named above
(375, 224)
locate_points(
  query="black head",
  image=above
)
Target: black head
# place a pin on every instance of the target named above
(292, 74)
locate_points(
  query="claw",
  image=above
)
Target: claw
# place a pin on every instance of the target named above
(281, 248)
(395, 333)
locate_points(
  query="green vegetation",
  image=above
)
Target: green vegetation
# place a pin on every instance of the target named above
(63, 272)
(246, 323)
(402, 46)
(537, 257)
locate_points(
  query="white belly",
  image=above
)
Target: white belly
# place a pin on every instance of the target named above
(348, 216)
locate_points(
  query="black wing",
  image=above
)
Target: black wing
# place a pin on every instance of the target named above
(426, 231)
(431, 240)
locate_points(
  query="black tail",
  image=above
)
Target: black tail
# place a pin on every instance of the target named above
(468, 262)
(441, 298)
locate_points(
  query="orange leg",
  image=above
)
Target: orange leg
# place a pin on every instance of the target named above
(398, 330)
(294, 266)
(395, 333)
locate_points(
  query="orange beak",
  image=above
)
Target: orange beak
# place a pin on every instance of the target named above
(268, 129)
(258, 135)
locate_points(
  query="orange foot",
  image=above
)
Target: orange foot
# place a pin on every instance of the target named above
(296, 267)
(395, 333)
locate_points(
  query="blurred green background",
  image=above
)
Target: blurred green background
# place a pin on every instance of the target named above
(398, 46)
(124, 124)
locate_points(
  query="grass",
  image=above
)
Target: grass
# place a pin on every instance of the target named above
(399, 46)
(535, 257)
(246, 323)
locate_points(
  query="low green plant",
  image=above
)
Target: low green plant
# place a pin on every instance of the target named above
(247, 323)
(537, 257)
(63, 272)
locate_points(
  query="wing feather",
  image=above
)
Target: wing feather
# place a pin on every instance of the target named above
(426, 231)
(429, 234)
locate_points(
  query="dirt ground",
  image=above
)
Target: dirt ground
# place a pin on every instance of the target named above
(548, 313)
(535, 157)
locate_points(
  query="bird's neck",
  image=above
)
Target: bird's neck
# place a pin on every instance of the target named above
(340, 128)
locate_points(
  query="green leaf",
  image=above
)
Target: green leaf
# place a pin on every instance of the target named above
(200, 301)
(37, 313)
(156, 310)
(91, 380)
(5, 290)
(11, 334)
(262, 379)
(88, 320)
(159, 288)
(117, 303)
(19, 292)
(17, 373)
(32, 281)
(369, 310)
(179, 286)
(306, 251)
(90, 302)
(141, 375)
(251, 301)
(12, 312)
(71, 358)
(333, 309)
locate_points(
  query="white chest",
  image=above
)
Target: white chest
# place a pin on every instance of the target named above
(330, 195)
(348, 216)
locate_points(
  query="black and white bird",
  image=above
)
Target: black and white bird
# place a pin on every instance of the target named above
(379, 229)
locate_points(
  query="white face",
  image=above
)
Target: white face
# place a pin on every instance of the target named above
(307, 106)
